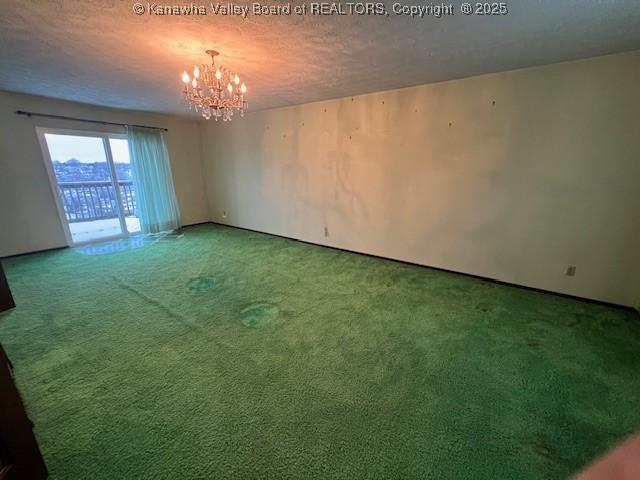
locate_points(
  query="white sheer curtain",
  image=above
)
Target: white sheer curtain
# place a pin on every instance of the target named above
(156, 203)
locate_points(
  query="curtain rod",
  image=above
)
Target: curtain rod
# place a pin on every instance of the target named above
(62, 117)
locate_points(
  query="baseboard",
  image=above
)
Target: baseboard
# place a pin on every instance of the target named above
(196, 224)
(44, 250)
(470, 275)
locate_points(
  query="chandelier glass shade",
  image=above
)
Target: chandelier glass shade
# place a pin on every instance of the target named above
(214, 91)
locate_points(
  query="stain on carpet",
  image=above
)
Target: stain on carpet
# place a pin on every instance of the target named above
(259, 314)
(484, 307)
(533, 344)
(202, 284)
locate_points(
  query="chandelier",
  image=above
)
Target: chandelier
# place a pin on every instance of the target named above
(214, 91)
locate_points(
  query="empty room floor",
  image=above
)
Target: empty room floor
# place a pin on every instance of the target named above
(231, 354)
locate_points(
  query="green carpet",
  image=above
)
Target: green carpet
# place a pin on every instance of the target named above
(231, 354)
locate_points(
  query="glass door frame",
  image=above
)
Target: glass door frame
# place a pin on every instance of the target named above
(53, 181)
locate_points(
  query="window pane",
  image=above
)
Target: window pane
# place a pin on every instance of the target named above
(85, 186)
(122, 163)
(120, 152)
(77, 159)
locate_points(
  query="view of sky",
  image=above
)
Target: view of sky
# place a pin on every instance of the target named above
(85, 149)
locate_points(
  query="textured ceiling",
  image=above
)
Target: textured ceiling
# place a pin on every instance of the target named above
(100, 52)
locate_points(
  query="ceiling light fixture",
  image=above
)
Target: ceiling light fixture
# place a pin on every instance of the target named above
(214, 91)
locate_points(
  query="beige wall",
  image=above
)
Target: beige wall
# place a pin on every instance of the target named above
(28, 217)
(439, 175)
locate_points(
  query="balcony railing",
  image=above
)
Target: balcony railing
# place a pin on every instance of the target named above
(86, 201)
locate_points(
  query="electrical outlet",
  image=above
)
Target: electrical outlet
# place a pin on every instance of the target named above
(224, 214)
(570, 271)
(326, 232)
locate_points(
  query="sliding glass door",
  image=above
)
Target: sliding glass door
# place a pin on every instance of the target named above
(90, 174)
